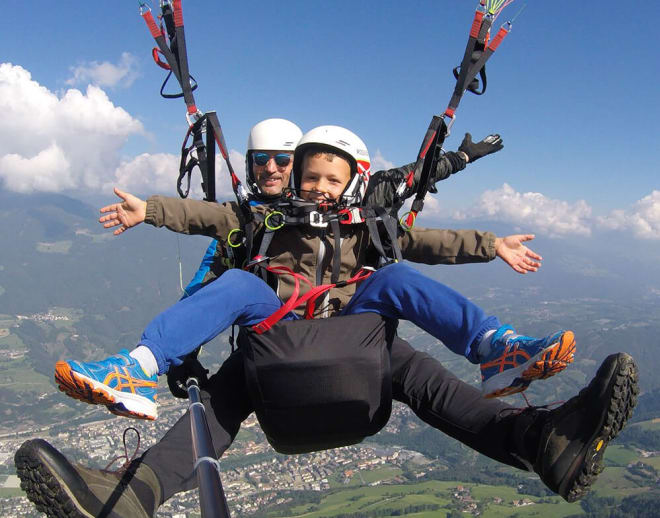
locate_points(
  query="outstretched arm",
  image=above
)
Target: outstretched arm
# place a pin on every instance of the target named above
(518, 256)
(383, 185)
(447, 246)
(130, 212)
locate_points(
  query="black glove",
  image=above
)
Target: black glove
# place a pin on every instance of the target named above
(475, 150)
(178, 375)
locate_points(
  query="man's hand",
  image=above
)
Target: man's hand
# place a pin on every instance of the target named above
(132, 211)
(476, 150)
(512, 251)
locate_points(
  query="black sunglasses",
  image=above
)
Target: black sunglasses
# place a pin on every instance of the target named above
(281, 159)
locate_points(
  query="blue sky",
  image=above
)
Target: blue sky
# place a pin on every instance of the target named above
(572, 90)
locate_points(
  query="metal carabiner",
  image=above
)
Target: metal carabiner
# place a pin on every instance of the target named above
(144, 8)
(192, 118)
(451, 118)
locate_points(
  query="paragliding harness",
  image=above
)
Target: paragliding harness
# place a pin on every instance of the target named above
(317, 384)
(382, 228)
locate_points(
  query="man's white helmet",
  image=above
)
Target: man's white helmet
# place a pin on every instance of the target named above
(345, 143)
(273, 135)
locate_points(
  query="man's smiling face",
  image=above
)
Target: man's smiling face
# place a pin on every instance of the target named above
(272, 178)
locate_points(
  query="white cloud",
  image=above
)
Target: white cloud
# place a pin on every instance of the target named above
(643, 219)
(531, 210)
(73, 142)
(50, 142)
(106, 74)
(145, 173)
(54, 171)
(158, 173)
(379, 162)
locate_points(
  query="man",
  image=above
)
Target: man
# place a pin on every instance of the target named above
(528, 439)
(268, 164)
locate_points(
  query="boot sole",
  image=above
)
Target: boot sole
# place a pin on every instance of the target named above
(88, 390)
(623, 391)
(546, 363)
(44, 488)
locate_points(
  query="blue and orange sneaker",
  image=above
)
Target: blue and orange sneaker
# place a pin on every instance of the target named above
(515, 361)
(119, 382)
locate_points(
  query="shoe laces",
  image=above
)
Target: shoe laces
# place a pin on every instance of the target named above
(127, 459)
(529, 407)
(547, 406)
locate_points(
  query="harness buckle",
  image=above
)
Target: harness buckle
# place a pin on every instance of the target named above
(257, 261)
(316, 219)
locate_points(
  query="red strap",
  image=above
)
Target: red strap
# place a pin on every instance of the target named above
(315, 293)
(290, 304)
(295, 301)
(476, 24)
(498, 39)
(155, 52)
(410, 179)
(151, 24)
(221, 146)
(428, 145)
(178, 13)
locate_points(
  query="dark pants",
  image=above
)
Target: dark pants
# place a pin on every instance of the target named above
(435, 395)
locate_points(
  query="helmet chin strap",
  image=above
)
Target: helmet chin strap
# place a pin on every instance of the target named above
(352, 194)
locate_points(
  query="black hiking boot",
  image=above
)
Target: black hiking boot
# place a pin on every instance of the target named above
(573, 437)
(65, 490)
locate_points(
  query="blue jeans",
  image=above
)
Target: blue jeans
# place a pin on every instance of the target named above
(237, 297)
